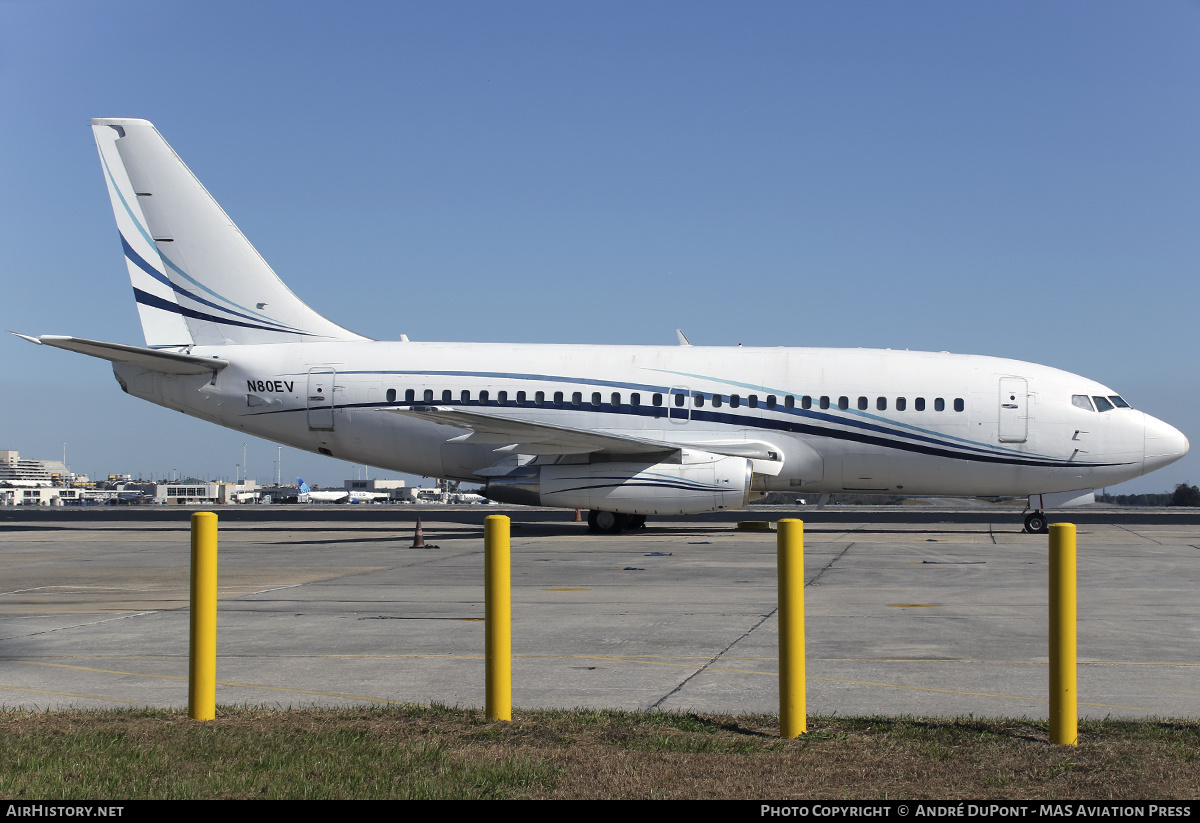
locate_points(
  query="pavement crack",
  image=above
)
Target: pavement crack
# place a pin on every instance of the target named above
(714, 659)
(1136, 534)
(828, 566)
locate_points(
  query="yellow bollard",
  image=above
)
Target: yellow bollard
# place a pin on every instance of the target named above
(497, 595)
(202, 654)
(793, 720)
(1064, 710)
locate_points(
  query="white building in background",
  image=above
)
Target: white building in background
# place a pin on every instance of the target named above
(16, 471)
(206, 493)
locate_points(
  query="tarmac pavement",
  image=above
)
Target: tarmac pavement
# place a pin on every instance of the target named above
(922, 618)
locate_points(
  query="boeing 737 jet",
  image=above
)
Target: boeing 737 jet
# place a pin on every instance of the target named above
(623, 431)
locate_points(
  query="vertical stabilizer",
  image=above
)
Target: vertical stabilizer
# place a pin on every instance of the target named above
(196, 278)
(162, 319)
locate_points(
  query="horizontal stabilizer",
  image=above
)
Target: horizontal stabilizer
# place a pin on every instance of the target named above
(151, 359)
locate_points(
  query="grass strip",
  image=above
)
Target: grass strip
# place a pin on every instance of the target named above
(435, 752)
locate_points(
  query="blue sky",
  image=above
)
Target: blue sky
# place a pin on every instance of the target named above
(1018, 179)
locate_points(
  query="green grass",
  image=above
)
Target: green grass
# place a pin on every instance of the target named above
(439, 752)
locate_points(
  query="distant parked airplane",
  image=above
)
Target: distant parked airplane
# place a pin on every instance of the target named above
(308, 495)
(624, 431)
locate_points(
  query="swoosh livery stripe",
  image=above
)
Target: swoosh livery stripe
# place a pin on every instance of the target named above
(147, 299)
(769, 424)
(945, 443)
(142, 264)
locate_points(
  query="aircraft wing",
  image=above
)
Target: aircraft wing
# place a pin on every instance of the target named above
(529, 437)
(152, 359)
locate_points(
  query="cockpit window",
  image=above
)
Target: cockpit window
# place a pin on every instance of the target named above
(1102, 403)
(1081, 400)
(1119, 402)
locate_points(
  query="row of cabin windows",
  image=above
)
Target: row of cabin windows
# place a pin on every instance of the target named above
(698, 400)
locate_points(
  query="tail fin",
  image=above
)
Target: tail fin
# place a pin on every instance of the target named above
(304, 489)
(196, 278)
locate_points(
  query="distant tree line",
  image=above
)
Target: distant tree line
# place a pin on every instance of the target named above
(1184, 495)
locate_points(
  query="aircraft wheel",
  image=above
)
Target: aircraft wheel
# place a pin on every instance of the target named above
(605, 522)
(1036, 523)
(635, 521)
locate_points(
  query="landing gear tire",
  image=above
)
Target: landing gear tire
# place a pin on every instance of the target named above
(606, 522)
(1036, 523)
(635, 521)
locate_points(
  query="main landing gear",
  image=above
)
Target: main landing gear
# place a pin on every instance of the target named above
(613, 522)
(1036, 523)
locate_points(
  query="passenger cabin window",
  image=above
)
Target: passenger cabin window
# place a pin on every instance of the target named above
(539, 399)
(734, 401)
(635, 399)
(447, 396)
(824, 402)
(483, 397)
(959, 404)
(558, 398)
(391, 395)
(716, 401)
(429, 395)
(465, 396)
(862, 404)
(657, 399)
(770, 401)
(919, 404)
(577, 398)
(901, 403)
(806, 402)
(880, 404)
(699, 400)
(521, 400)
(616, 399)
(843, 402)
(502, 398)
(679, 399)
(410, 396)
(789, 402)
(939, 404)
(1102, 403)
(752, 401)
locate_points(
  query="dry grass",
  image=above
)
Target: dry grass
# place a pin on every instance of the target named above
(435, 752)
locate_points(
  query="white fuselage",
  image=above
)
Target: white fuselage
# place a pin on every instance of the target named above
(933, 423)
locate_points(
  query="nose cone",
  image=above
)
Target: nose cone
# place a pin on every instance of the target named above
(1164, 444)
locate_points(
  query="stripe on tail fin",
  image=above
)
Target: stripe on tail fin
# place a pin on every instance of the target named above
(196, 278)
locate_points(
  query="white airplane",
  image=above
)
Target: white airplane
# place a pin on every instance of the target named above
(623, 431)
(307, 495)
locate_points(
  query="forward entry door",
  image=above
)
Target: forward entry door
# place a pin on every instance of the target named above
(320, 398)
(1014, 409)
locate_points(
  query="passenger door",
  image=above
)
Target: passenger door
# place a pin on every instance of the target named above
(320, 398)
(1014, 409)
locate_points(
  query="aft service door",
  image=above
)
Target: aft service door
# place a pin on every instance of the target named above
(320, 398)
(1014, 409)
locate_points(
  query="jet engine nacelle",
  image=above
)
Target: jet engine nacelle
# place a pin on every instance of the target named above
(700, 482)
